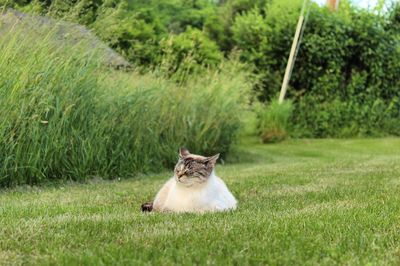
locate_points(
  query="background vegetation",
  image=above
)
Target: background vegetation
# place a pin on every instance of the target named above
(198, 65)
(345, 82)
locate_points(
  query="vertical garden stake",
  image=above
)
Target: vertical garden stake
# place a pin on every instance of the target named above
(290, 62)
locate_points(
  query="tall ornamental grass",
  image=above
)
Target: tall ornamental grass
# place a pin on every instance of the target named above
(64, 116)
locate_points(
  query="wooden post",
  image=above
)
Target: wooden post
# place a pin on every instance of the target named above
(289, 65)
(332, 4)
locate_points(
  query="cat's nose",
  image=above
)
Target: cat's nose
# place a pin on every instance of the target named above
(180, 174)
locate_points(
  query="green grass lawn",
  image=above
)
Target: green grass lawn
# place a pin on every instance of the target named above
(300, 202)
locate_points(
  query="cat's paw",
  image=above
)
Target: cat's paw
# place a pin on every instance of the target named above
(147, 207)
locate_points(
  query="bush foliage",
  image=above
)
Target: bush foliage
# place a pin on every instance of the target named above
(345, 80)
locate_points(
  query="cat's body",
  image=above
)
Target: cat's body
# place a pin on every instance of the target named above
(194, 187)
(212, 195)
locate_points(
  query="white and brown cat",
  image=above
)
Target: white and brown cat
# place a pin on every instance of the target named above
(193, 188)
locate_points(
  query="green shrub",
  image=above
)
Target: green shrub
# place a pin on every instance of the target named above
(66, 117)
(264, 35)
(345, 79)
(273, 120)
(189, 52)
(130, 33)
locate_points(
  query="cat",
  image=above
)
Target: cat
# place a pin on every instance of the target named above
(193, 188)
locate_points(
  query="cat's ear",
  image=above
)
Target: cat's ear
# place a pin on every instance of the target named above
(183, 152)
(212, 159)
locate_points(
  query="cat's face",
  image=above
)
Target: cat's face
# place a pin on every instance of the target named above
(193, 169)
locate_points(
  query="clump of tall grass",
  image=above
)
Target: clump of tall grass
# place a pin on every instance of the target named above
(64, 116)
(273, 120)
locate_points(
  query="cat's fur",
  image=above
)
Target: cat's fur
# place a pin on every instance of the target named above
(194, 187)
